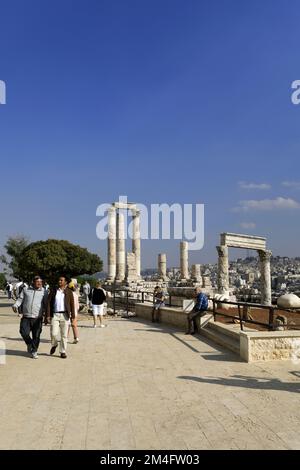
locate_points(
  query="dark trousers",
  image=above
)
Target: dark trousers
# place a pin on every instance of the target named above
(34, 326)
(192, 317)
(156, 311)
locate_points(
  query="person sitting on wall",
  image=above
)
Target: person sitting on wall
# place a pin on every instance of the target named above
(158, 302)
(199, 310)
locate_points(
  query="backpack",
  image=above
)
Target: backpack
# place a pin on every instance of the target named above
(205, 303)
(21, 288)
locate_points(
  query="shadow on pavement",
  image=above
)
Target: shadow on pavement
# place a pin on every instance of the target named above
(247, 382)
(224, 355)
(20, 339)
(16, 352)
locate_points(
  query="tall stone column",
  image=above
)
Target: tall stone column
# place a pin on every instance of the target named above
(184, 260)
(162, 266)
(196, 272)
(223, 276)
(120, 271)
(136, 241)
(111, 244)
(265, 278)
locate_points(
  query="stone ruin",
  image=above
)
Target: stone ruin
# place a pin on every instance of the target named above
(249, 242)
(125, 269)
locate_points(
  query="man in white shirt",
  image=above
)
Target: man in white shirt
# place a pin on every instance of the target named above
(86, 289)
(60, 310)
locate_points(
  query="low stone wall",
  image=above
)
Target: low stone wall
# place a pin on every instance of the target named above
(269, 345)
(169, 315)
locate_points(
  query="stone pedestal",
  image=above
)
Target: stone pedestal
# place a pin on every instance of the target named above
(206, 282)
(162, 266)
(184, 260)
(196, 272)
(223, 277)
(131, 267)
(136, 241)
(265, 279)
(120, 249)
(111, 246)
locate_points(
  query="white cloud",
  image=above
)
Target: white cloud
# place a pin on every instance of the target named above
(280, 203)
(291, 184)
(247, 225)
(260, 186)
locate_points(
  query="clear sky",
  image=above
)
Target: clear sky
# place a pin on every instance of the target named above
(185, 101)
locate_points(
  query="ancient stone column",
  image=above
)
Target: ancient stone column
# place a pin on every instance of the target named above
(162, 266)
(130, 267)
(136, 241)
(265, 278)
(223, 276)
(196, 272)
(120, 271)
(111, 244)
(184, 260)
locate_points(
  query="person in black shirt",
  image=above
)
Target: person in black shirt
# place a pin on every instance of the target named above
(97, 297)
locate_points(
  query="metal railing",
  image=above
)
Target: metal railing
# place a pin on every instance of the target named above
(244, 309)
(128, 299)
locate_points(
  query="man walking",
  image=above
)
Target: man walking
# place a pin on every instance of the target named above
(199, 309)
(86, 289)
(33, 303)
(60, 310)
(9, 290)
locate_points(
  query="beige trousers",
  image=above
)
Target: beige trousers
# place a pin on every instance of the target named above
(60, 323)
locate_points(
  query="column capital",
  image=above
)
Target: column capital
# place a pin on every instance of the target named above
(264, 255)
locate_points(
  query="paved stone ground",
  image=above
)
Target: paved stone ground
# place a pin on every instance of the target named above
(138, 386)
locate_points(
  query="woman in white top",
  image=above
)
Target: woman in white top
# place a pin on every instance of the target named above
(73, 287)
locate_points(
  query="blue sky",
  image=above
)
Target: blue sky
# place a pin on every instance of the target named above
(162, 101)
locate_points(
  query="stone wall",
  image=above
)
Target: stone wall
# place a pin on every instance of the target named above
(269, 345)
(169, 315)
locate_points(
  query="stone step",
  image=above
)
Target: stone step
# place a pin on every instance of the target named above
(227, 341)
(232, 331)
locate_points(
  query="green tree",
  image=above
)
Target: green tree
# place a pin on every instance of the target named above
(52, 258)
(2, 281)
(14, 248)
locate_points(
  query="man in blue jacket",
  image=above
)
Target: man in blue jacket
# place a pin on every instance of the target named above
(199, 310)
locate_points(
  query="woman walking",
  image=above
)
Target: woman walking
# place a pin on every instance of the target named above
(74, 289)
(97, 298)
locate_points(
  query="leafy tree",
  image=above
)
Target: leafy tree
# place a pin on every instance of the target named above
(14, 248)
(52, 258)
(2, 281)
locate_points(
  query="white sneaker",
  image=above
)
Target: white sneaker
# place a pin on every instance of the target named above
(34, 355)
(95, 326)
(76, 340)
(102, 326)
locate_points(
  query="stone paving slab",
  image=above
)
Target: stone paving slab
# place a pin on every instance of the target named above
(135, 385)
